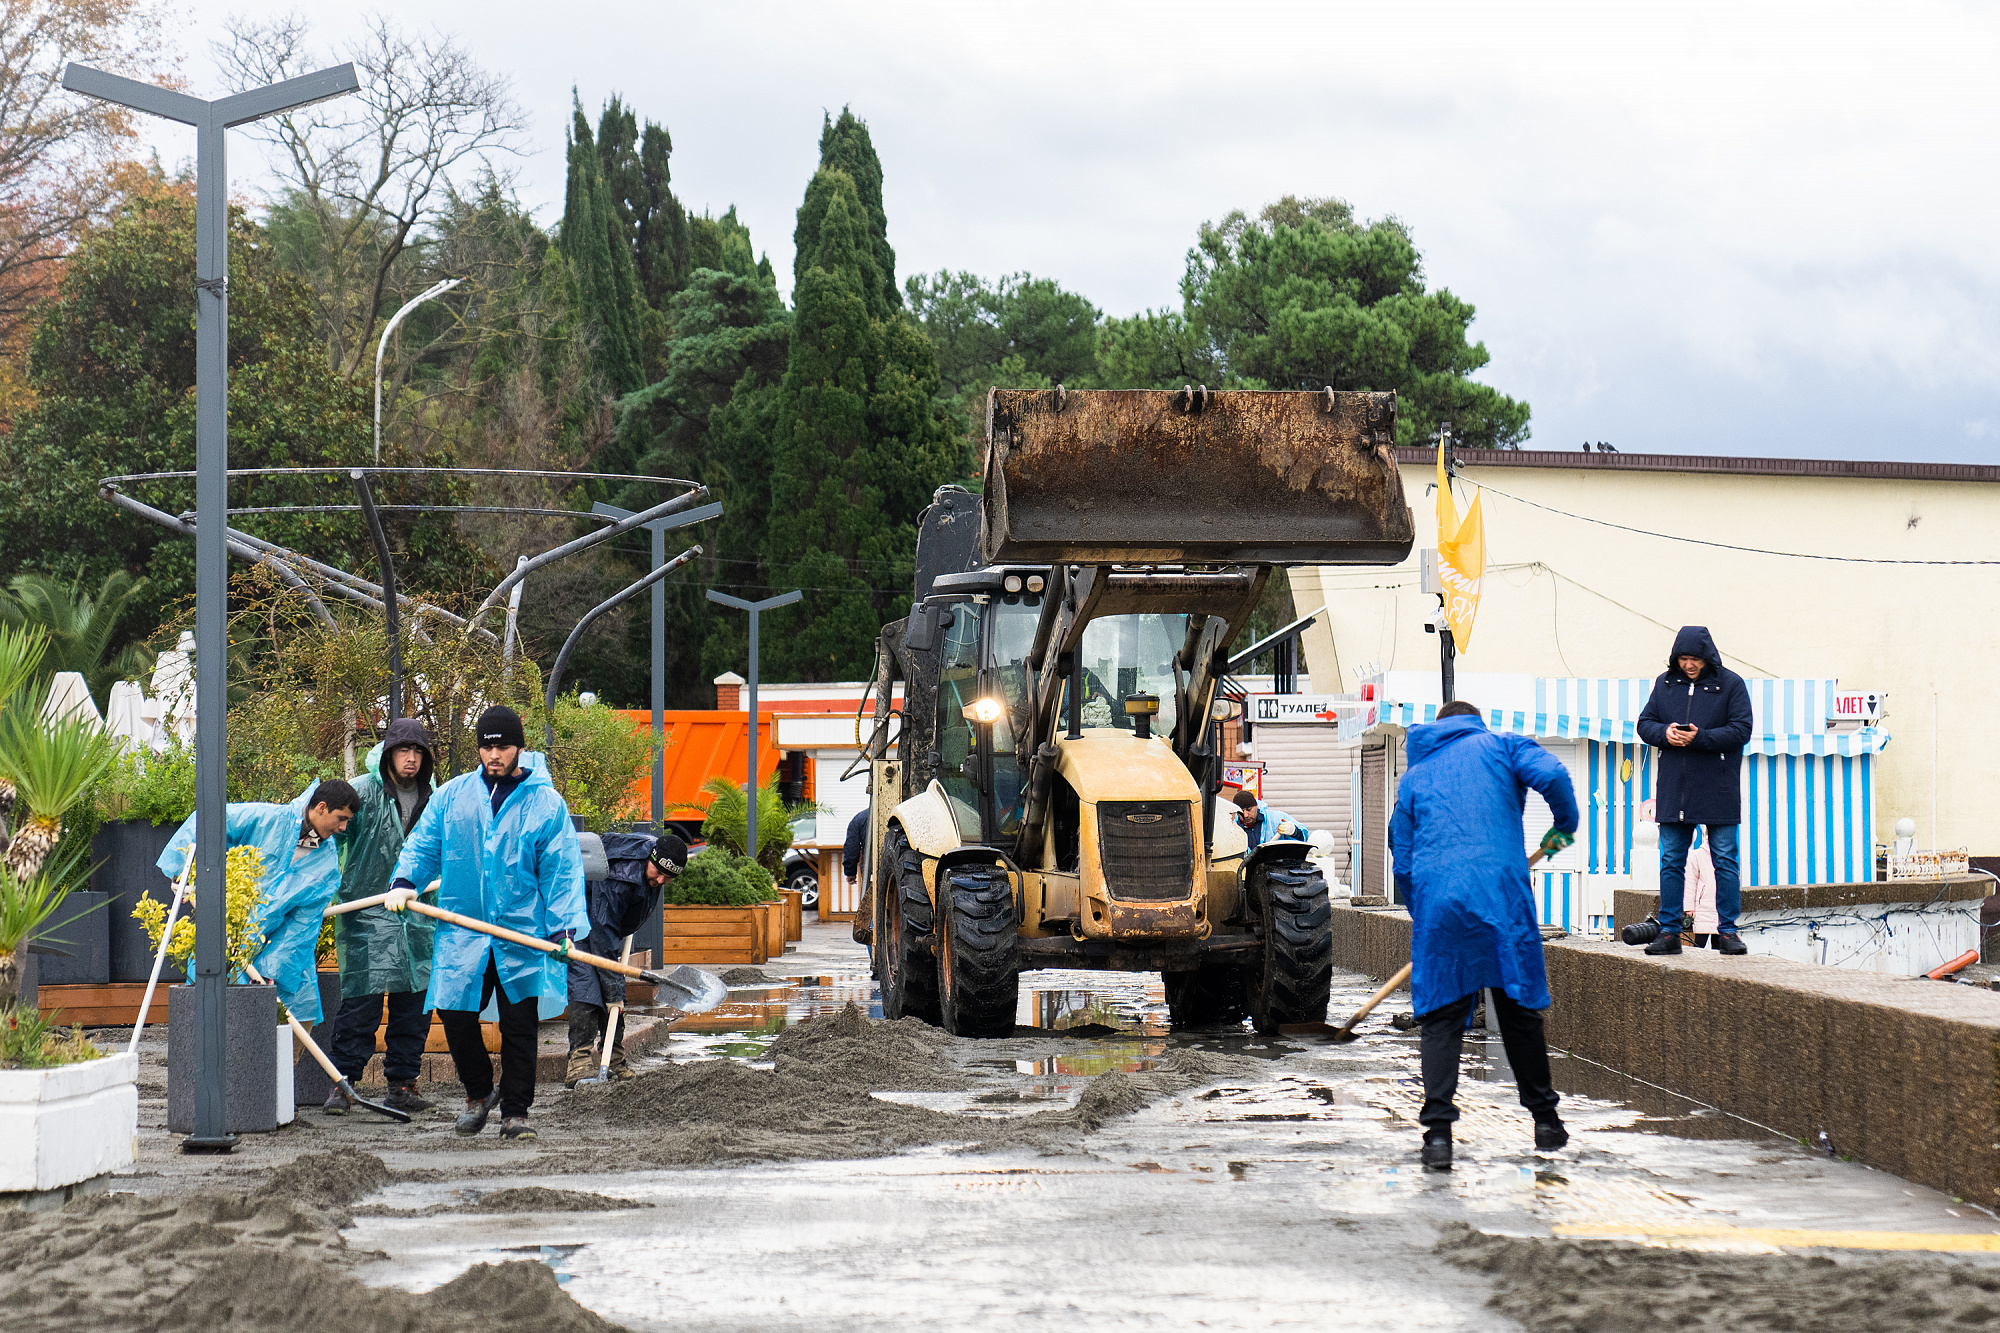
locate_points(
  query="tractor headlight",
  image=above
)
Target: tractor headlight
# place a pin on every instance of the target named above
(1035, 583)
(987, 711)
(1012, 583)
(1224, 709)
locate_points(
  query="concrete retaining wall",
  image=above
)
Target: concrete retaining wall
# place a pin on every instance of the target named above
(1901, 1074)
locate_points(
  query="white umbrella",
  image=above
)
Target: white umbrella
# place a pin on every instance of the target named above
(70, 697)
(173, 688)
(128, 715)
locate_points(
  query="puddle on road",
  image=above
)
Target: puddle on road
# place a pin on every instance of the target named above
(557, 1257)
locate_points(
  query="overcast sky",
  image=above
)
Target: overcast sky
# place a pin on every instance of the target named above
(1697, 228)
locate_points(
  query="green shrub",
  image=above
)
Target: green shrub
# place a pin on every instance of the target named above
(158, 788)
(761, 881)
(711, 880)
(598, 756)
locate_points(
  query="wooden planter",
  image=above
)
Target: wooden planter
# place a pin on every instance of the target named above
(771, 921)
(712, 935)
(795, 914)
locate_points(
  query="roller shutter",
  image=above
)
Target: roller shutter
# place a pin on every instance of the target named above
(1308, 774)
(1536, 819)
(1374, 818)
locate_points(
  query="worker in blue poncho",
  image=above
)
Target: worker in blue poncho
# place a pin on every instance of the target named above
(1461, 869)
(301, 875)
(502, 840)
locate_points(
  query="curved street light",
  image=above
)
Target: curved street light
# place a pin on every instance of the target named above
(435, 289)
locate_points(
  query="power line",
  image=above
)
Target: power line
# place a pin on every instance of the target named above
(1724, 546)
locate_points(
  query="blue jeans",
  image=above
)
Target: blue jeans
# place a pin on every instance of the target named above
(1675, 839)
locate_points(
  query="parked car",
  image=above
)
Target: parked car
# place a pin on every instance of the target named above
(801, 871)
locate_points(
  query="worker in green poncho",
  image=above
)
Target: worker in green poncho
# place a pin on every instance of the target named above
(384, 956)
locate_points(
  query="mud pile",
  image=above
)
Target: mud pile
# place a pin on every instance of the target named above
(248, 1263)
(747, 976)
(853, 1050)
(541, 1199)
(1598, 1286)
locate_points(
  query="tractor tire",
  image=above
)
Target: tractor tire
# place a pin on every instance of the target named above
(979, 953)
(1297, 973)
(1215, 994)
(906, 962)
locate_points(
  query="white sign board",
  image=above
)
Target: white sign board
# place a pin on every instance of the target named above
(1300, 708)
(1857, 705)
(822, 731)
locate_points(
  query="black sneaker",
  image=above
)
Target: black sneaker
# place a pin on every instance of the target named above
(1731, 945)
(1667, 943)
(337, 1102)
(1550, 1136)
(1437, 1150)
(516, 1128)
(473, 1118)
(403, 1097)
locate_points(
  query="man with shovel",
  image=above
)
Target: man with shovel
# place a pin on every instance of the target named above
(641, 865)
(1462, 871)
(503, 839)
(385, 958)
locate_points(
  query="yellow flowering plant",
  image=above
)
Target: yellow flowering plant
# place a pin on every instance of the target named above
(244, 879)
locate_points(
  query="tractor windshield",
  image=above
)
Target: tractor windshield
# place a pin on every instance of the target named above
(1127, 655)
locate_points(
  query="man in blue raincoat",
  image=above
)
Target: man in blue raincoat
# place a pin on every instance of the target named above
(1263, 823)
(501, 840)
(1462, 871)
(301, 875)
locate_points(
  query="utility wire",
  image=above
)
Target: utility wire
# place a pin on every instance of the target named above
(1724, 546)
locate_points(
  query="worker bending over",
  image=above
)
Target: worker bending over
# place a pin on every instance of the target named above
(301, 875)
(619, 905)
(1263, 823)
(508, 852)
(385, 957)
(1457, 847)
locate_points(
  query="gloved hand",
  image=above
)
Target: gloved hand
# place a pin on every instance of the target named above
(562, 939)
(1555, 840)
(400, 898)
(1287, 829)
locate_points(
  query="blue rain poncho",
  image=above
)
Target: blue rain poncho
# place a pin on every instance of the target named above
(1461, 864)
(1271, 822)
(520, 869)
(296, 893)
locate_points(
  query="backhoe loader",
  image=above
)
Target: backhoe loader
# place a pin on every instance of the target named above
(1047, 794)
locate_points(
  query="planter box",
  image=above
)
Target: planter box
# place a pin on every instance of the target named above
(795, 914)
(81, 927)
(125, 851)
(711, 935)
(60, 1127)
(251, 1087)
(773, 922)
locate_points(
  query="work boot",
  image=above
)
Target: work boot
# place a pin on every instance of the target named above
(621, 1068)
(1731, 944)
(403, 1097)
(1550, 1135)
(1437, 1149)
(473, 1118)
(1667, 943)
(337, 1102)
(515, 1128)
(582, 1065)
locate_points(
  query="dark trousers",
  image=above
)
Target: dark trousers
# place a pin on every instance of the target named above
(517, 1047)
(1527, 1052)
(403, 1046)
(586, 1024)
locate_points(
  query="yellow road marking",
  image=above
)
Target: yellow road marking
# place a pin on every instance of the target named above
(1940, 1241)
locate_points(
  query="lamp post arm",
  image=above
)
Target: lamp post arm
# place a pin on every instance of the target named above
(435, 289)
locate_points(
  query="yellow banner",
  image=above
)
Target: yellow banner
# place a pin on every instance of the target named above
(1461, 558)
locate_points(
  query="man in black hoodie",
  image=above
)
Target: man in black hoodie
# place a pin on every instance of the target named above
(1699, 719)
(384, 956)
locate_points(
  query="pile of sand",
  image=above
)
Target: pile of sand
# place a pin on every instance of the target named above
(853, 1050)
(1597, 1286)
(749, 976)
(541, 1199)
(248, 1263)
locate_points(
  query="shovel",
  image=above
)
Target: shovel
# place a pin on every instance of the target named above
(332, 1070)
(160, 957)
(1345, 1032)
(688, 989)
(610, 1029)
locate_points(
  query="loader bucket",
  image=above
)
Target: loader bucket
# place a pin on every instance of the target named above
(1192, 477)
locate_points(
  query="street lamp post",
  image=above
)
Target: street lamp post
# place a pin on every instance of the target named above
(435, 289)
(211, 121)
(755, 609)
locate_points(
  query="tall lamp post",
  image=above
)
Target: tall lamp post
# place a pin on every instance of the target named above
(436, 289)
(211, 121)
(755, 609)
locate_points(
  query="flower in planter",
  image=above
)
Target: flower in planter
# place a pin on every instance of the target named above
(244, 878)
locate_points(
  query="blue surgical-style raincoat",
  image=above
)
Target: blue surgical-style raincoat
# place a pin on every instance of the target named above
(296, 893)
(520, 869)
(1461, 863)
(1270, 820)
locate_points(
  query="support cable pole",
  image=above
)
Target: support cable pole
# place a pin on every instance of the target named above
(652, 580)
(211, 121)
(756, 610)
(391, 610)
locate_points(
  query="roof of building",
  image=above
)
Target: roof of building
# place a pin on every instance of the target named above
(1768, 467)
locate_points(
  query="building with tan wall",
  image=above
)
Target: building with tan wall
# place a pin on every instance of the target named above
(1593, 560)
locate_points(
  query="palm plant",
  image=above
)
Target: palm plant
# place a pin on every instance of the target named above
(726, 819)
(79, 625)
(26, 904)
(51, 764)
(21, 652)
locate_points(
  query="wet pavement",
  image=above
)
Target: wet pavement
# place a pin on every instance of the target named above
(1289, 1193)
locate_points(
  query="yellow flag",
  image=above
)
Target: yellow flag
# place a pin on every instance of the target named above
(1461, 558)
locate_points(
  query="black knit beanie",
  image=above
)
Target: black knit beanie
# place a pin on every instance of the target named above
(500, 725)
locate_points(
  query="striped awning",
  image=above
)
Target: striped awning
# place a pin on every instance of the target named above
(1790, 715)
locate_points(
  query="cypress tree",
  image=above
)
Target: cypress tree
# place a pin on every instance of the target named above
(638, 173)
(859, 442)
(594, 243)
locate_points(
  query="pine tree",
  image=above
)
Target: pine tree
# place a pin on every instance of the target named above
(637, 171)
(860, 441)
(595, 243)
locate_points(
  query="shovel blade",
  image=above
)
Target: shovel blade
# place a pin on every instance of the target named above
(688, 989)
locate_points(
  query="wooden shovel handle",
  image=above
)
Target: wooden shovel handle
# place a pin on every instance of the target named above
(516, 937)
(332, 1070)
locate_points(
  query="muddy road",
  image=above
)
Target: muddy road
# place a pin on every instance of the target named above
(792, 1162)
